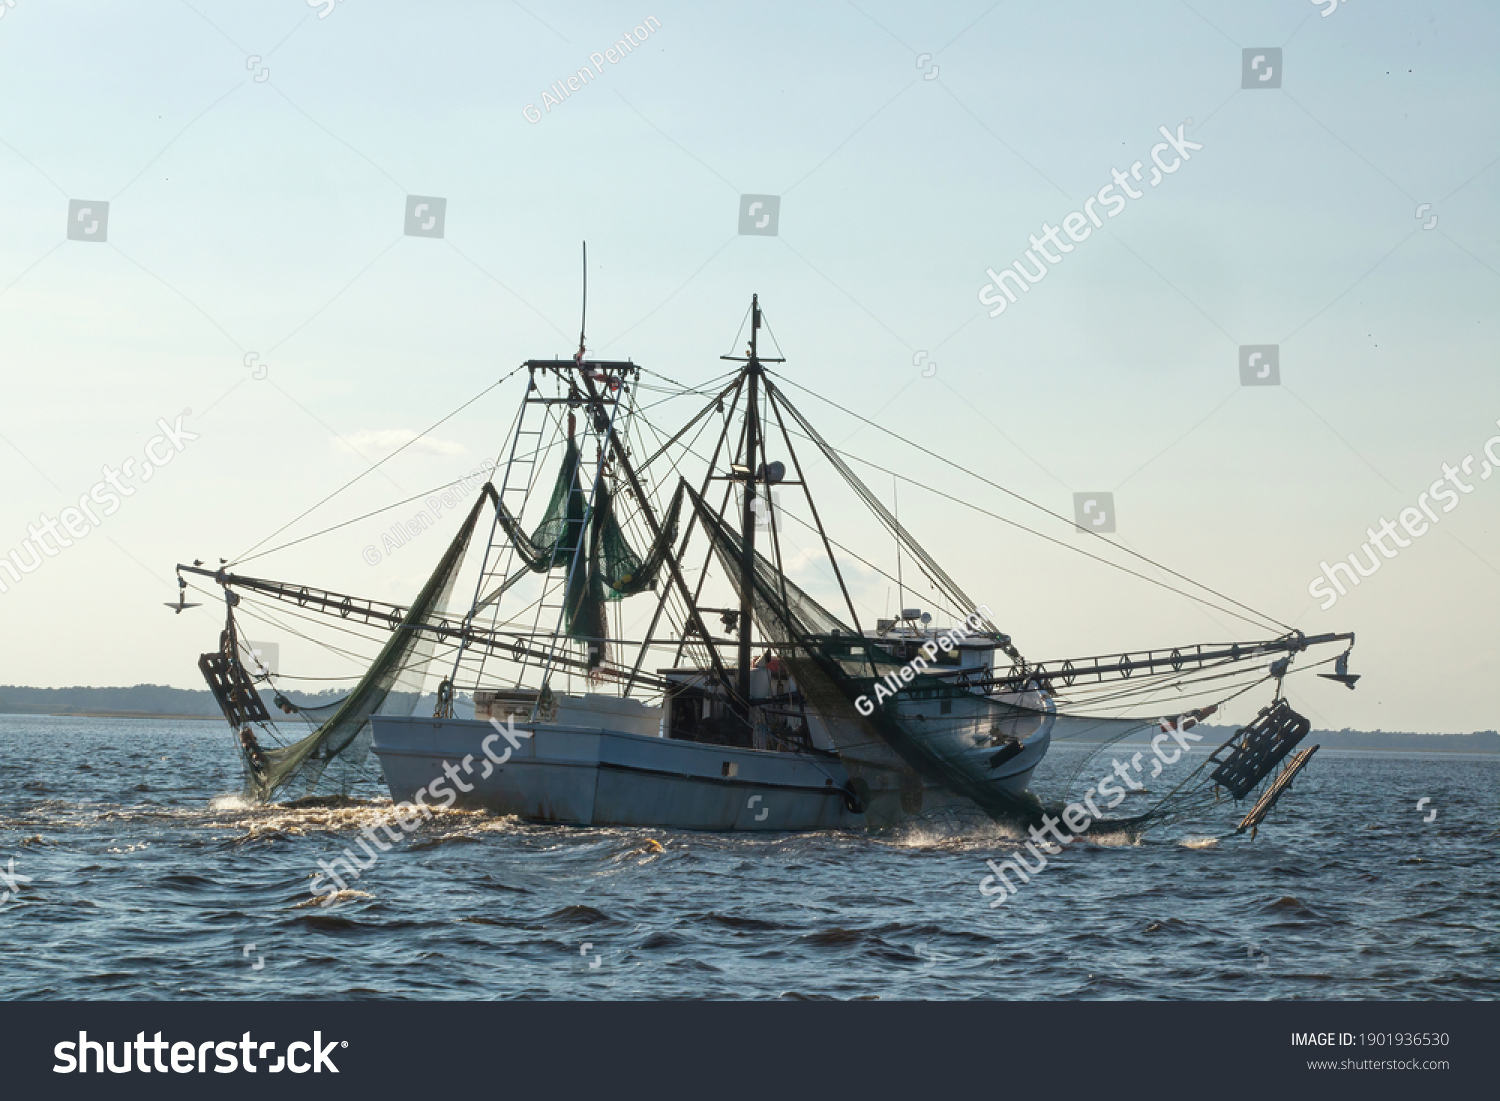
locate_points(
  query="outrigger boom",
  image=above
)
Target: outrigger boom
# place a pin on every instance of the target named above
(382, 613)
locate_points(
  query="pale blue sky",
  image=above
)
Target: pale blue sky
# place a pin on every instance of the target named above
(266, 217)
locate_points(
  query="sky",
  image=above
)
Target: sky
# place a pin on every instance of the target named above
(211, 252)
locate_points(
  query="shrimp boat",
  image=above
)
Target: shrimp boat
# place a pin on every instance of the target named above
(733, 699)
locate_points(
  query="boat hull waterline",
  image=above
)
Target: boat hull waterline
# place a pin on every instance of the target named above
(593, 776)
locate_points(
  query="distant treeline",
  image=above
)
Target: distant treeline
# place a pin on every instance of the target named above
(158, 699)
(153, 699)
(1481, 741)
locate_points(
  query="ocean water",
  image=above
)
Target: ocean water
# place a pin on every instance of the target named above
(146, 878)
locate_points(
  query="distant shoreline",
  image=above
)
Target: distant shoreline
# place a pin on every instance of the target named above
(152, 701)
(1312, 739)
(162, 703)
(114, 715)
(1485, 742)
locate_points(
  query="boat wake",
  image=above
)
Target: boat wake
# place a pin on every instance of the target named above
(234, 802)
(951, 834)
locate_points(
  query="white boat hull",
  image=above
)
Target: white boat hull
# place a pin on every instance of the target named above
(598, 777)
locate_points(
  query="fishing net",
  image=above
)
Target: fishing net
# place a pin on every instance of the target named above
(332, 755)
(931, 741)
(608, 570)
(914, 742)
(555, 538)
(625, 572)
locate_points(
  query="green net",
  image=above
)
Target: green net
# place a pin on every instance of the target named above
(609, 569)
(554, 544)
(930, 743)
(555, 539)
(391, 686)
(625, 572)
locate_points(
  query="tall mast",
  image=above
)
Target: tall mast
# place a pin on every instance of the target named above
(584, 316)
(747, 527)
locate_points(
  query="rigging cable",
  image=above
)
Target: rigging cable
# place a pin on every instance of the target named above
(346, 523)
(1066, 546)
(375, 466)
(1042, 508)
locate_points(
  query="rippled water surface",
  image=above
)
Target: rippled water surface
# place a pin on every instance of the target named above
(146, 882)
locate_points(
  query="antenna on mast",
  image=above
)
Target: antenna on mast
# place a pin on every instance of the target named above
(900, 585)
(583, 319)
